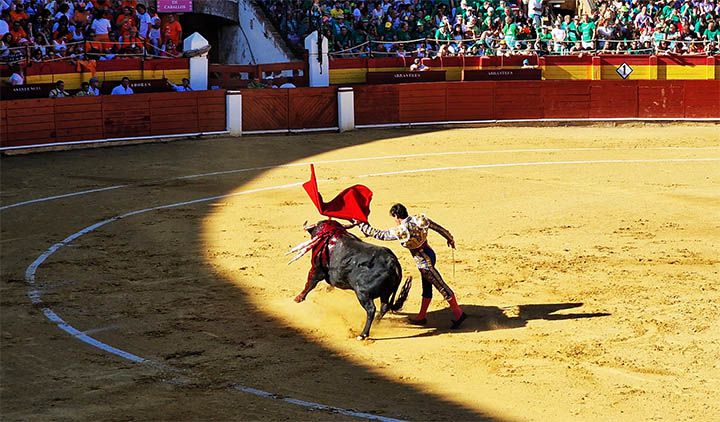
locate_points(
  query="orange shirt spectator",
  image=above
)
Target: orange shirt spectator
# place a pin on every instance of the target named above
(126, 22)
(18, 33)
(92, 46)
(129, 3)
(63, 35)
(81, 17)
(172, 30)
(18, 15)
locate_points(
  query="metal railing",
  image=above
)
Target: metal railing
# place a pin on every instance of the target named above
(430, 47)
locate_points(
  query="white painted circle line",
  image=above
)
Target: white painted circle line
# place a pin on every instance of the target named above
(35, 294)
(351, 160)
(539, 163)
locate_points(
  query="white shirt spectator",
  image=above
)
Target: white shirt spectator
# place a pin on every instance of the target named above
(154, 33)
(534, 7)
(418, 67)
(145, 22)
(101, 26)
(4, 27)
(121, 90)
(16, 79)
(287, 85)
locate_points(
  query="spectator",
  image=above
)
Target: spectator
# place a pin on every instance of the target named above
(144, 22)
(59, 90)
(418, 66)
(59, 28)
(462, 27)
(172, 31)
(85, 90)
(288, 83)
(94, 88)
(154, 32)
(256, 84)
(184, 87)
(4, 26)
(123, 88)
(18, 77)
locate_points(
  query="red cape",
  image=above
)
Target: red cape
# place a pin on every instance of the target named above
(351, 204)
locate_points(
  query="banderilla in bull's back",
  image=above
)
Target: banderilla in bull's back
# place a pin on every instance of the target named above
(346, 262)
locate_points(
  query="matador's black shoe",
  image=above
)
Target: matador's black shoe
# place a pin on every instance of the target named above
(456, 324)
(413, 321)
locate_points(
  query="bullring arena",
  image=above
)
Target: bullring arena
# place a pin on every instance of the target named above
(154, 160)
(152, 283)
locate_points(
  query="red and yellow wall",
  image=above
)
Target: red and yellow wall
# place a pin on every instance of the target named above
(109, 70)
(352, 71)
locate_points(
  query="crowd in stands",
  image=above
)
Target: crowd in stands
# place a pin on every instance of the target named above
(422, 28)
(49, 30)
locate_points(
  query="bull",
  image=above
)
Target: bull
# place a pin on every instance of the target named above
(346, 262)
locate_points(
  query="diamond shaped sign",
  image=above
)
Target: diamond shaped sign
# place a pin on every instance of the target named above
(624, 70)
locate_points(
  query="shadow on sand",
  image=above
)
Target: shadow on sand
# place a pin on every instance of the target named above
(489, 318)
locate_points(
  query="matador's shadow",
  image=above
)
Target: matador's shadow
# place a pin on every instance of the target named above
(489, 318)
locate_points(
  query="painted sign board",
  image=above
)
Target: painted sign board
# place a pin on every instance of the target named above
(174, 6)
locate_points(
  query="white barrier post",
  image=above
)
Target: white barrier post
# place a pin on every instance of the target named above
(199, 63)
(346, 109)
(319, 70)
(234, 112)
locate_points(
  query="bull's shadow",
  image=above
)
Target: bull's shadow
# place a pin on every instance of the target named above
(489, 318)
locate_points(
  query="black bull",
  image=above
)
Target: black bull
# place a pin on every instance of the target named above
(346, 262)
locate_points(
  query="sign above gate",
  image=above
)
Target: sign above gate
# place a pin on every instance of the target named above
(174, 6)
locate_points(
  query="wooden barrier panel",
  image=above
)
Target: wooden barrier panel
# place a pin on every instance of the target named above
(173, 114)
(613, 99)
(702, 99)
(284, 109)
(470, 101)
(265, 109)
(661, 99)
(311, 108)
(518, 100)
(48, 121)
(29, 121)
(126, 116)
(78, 119)
(423, 103)
(566, 99)
(212, 113)
(377, 104)
(3, 121)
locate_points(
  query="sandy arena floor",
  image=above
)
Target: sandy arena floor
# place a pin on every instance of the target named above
(588, 259)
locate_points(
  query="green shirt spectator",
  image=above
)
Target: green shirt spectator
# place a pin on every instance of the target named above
(587, 29)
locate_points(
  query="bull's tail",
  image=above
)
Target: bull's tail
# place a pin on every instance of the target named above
(396, 305)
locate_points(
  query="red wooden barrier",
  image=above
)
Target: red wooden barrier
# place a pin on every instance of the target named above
(613, 99)
(661, 99)
(566, 99)
(470, 101)
(49, 121)
(283, 109)
(377, 104)
(702, 98)
(312, 108)
(467, 101)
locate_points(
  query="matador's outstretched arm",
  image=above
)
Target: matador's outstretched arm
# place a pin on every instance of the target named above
(368, 230)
